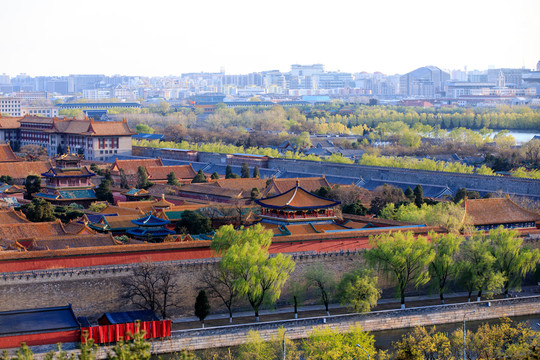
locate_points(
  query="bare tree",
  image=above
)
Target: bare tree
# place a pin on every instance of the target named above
(151, 287)
(220, 284)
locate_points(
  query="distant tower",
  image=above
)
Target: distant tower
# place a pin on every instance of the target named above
(500, 80)
(222, 69)
(538, 66)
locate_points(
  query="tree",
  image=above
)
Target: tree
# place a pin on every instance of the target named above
(202, 307)
(444, 265)
(220, 284)
(143, 129)
(256, 173)
(512, 259)
(199, 178)
(323, 280)
(6, 179)
(384, 195)
(32, 184)
(194, 223)
(151, 287)
(103, 191)
(255, 347)
(418, 195)
(142, 178)
(356, 208)
(258, 276)
(463, 193)
(422, 343)
(296, 291)
(172, 180)
(35, 151)
(255, 193)
(409, 194)
(97, 206)
(245, 171)
(359, 290)
(327, 344)
(229, 173)
(40, 210)
(137, 349)
(477, 267)
(215, 176)
(123, 180)
(402, 256)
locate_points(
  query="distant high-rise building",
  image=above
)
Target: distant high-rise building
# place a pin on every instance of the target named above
(427, 81)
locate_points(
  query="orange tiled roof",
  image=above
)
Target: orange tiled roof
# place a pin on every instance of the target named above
(161, 172)
(10, 122)
(202, 189)
(132, 166)
(17, 231)
(111, 209)
(11, 216)
(296, 198)
(66, 242)
(279, 186)
(241, 184)
(497, 211)
(7, 155)
(20, 170)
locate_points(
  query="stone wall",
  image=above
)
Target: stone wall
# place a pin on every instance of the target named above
(234, 335)
(95, 290)
(453, 180)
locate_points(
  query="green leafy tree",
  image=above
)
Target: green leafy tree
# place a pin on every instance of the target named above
(403, 257)
(97, 206)
(40, 210)
(256, 173)
(245, 171)
(463, 193)
(418, 196)
(422, 343)
(199, 178)
(444, 267)
(137, 349)
(194, 223)
(6, 179)
(144, 129)
(318, 277)
(512, 259)
(296, 291)
(258, 276)
(172, 180)
(327, 344)
(32, 184)
(409, 194)
(356, 208)
(229, 173)
(142, 178)
(215, 176)
(359, 290)
(202, 306)
(256, 348)
(478, 267)
(103, 191)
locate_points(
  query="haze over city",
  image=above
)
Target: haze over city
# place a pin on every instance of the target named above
(133, 38)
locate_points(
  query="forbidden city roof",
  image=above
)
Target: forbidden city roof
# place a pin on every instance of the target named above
(150, 220)
(7, 155)
(497, 211)
(297, 199)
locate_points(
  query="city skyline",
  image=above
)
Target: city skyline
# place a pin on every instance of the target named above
(170, 38)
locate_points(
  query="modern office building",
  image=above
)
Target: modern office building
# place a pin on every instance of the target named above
(425, 82)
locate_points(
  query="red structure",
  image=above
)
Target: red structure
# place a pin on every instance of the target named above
(112, 333)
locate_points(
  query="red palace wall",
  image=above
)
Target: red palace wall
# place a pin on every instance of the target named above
(7, 342)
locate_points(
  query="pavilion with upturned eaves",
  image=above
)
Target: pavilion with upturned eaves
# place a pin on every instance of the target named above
(68, 182)
(295, 206)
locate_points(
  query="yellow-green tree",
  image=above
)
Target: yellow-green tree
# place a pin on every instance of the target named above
(403, 257)
(328, 344)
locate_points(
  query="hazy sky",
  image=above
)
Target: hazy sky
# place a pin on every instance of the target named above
(159, 37)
